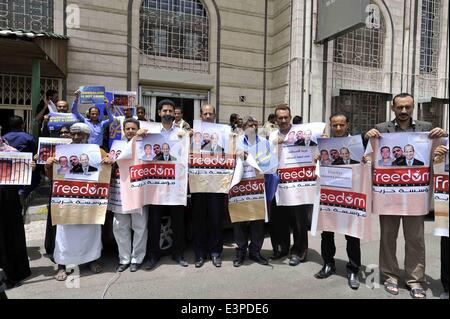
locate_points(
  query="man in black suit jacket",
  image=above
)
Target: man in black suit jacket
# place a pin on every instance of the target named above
(397, 151)
(408, 150)
(307, 139)
(213, 147)
(344, 158)
(84, 167)
(339, 124)
(413, 226)
(165, 154)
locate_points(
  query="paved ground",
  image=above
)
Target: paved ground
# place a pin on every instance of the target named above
(249, 281)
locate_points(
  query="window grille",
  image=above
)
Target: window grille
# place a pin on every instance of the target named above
(174, 34)
(364, 109)
(34, 15)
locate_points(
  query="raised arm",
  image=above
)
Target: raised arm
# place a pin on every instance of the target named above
(75, 107)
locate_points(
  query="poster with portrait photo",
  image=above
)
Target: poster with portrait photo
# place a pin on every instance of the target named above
(297, 168)
(401, 174)
(341, 150)
(47, 147)
(116, 149)
(161, 180)
(300, 144)
(157, 148)
(404, 149)
(212, 158)
(78, 161)
(15, 168)
(114, 199)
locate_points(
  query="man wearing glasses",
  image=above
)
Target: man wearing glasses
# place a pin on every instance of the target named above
(413, 226)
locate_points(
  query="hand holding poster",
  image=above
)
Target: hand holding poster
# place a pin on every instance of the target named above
(212, 158)
(246, 199)
(401, 181)
(79, 200)
(155, 177)
(440, 194)
(296, 171)
(15, 168)
(47, 147)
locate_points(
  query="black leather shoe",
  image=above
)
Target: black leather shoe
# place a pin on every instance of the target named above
(238, 260)
(294, 260)
(217, 261)
(122, 267)
(326, 271)
(181, 261)
(153, 261)
(278, 255)
(259, 259)
(199, 262)
(134, 267)
(353, 281)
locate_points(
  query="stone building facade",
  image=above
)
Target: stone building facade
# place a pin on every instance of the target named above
(248, 56)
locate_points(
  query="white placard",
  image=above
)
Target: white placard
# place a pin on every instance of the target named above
(336, 176)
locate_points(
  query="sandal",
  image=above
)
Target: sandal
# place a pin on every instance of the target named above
(418, 293)
(391, 287)
(95, 267)
(61, 274)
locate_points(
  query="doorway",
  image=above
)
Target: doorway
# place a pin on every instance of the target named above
(5, 114)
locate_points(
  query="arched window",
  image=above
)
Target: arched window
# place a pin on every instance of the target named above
(174, 34)
(34, 15)
(430, 37)
(361, 47)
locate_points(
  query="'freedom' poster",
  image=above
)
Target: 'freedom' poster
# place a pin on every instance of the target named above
(401, 175)
(345, 200)
(440, 194)
(296, 172)
(153, 171)
(83, 199)
(246, 199)
(212, 158)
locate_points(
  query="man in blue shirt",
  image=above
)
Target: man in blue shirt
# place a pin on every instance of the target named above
(97, 127)
(19, 139)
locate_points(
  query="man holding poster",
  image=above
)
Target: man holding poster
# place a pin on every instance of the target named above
(95, 123)
(412, 216)
(210, 173)
(166, 109)
(339, 125)
(255, 210)
(129, 227)
(76, 243)
(297, 186)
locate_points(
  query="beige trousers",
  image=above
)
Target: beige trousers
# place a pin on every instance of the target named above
(413, 232)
